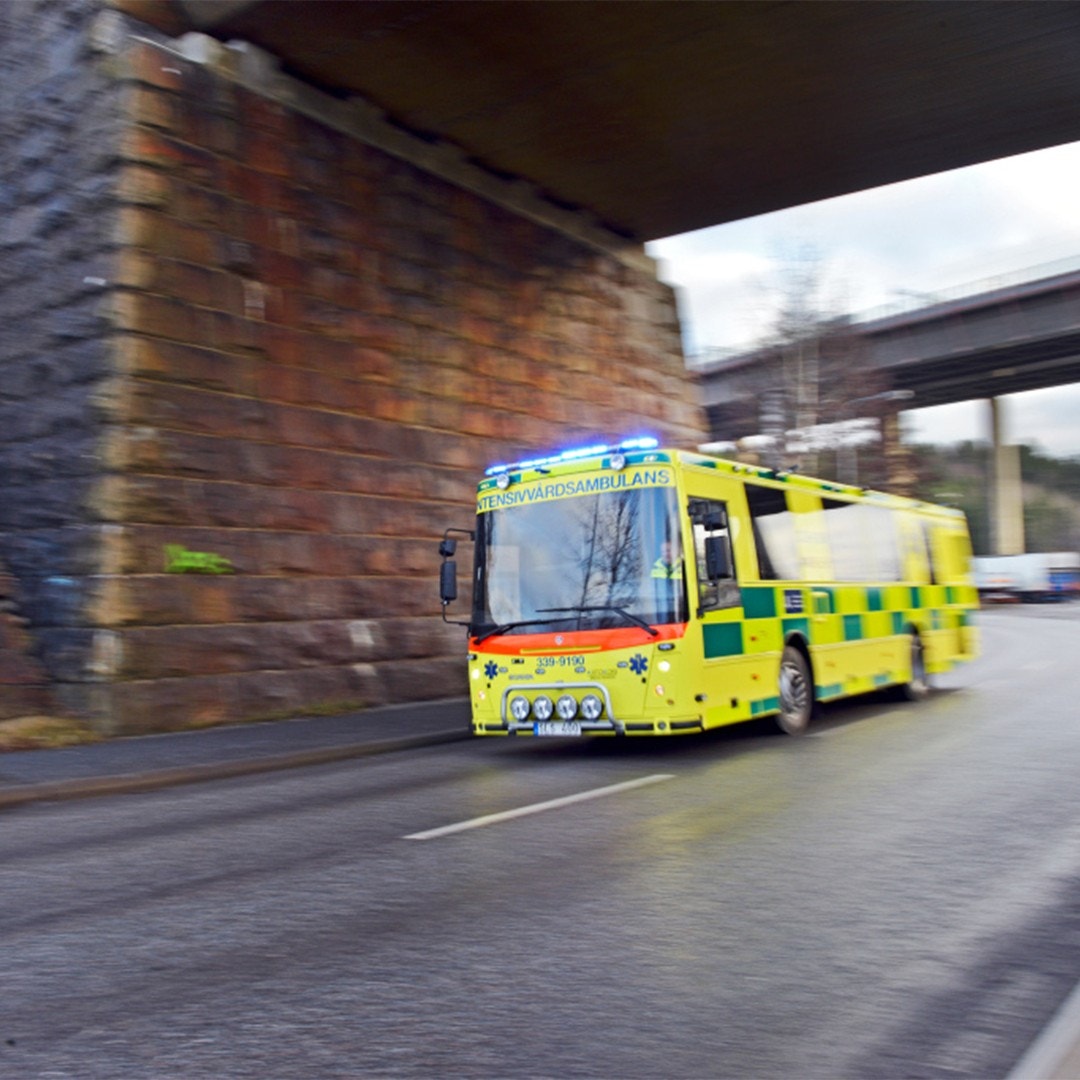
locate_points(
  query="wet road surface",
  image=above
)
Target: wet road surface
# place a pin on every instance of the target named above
(895, 894)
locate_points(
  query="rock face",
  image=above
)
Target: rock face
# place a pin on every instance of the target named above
(255, 358)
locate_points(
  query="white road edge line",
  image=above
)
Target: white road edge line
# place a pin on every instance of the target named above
(1046, 1056)
(537, 808)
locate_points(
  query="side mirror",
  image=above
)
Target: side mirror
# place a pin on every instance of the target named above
(717, 558)
(448, 581)
(448, 572)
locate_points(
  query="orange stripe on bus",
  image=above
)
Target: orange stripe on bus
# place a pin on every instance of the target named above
(571, 641)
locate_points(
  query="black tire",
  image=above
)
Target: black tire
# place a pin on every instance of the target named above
(918, 686)
(796, 690)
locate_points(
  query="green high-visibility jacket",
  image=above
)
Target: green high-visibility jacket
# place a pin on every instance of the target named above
(662, 570)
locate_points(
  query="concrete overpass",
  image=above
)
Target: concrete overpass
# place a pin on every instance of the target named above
(1004, 341)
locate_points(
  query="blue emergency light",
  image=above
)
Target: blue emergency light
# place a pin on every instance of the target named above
(643, 442)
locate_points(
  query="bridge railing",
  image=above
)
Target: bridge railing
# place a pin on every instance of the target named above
(914, 300)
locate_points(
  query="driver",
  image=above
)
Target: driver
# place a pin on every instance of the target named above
(669, 566)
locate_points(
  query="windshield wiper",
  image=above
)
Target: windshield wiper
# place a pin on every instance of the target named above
(629, 616)
(521, 622)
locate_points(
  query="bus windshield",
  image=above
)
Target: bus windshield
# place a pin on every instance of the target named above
(587, 562)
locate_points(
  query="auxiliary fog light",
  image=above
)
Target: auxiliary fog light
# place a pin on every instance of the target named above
(519, 708)
(542, 707)
(566, 707)
(591, 707)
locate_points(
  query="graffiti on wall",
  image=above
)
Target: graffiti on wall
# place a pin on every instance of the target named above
(178, 560)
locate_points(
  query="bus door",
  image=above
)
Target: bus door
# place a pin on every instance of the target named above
(717, 607)
(714, 557)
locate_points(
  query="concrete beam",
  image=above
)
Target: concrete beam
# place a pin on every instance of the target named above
(208, 14)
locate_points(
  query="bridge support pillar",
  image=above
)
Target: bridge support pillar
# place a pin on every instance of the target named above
(1006, 490)
(899, 468)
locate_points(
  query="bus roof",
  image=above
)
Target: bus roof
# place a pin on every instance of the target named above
(643, 451)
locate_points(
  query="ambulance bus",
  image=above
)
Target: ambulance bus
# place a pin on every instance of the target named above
(634, 590)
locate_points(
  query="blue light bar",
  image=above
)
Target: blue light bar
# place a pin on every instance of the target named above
(643, 442)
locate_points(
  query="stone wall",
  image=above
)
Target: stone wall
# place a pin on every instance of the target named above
(59, 126)
(24, 686)
(304, 351)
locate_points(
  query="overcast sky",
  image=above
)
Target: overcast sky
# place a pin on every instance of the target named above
(876, 247)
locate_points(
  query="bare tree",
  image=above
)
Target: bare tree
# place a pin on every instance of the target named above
(819, 399)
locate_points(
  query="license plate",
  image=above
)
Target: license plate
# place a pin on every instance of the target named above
(556, 727)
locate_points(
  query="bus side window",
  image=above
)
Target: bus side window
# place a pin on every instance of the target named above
(774, 534)
(713, 555)
(932, 557)
(951, 558)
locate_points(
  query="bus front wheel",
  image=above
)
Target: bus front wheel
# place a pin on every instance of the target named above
(796, 692)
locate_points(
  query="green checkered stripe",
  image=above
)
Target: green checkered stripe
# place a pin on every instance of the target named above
(834, 613)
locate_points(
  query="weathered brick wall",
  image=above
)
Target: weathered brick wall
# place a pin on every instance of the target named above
(315, 347)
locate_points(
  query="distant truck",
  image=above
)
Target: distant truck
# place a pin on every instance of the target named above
(1041, 577)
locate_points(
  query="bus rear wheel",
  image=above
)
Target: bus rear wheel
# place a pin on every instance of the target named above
(796, 692)
(918, 685)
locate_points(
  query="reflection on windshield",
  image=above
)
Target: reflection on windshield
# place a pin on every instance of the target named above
(592, 551)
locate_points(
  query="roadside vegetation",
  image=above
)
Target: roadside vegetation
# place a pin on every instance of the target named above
(44, 732)
(959, 476)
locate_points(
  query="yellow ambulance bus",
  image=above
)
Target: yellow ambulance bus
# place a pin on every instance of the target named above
(634, 590)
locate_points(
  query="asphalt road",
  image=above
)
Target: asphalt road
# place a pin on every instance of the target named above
(895, 895)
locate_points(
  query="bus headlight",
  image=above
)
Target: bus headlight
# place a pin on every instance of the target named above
(566, 707)
(542, 707)
(591, 707)
(519, 707)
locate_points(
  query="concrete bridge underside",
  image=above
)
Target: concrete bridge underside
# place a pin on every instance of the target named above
(659, 118)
